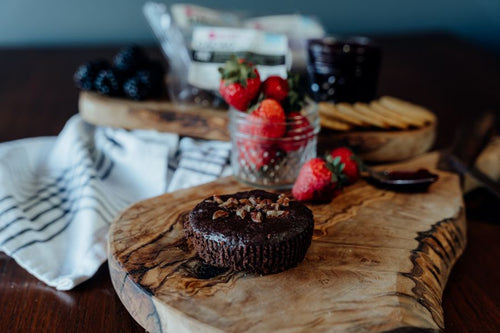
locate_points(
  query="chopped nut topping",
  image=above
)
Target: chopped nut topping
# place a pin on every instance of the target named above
(255, 206)
(253, 200)
(263, 204)
(229, 203)
(256, 216)
(283, 200)
(275, 206)
(267, 201)
(241, 213)
(260, 206)
(217, 199)
(276, 213)
(219, 213)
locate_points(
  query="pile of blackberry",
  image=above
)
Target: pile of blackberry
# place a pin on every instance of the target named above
(131, 74)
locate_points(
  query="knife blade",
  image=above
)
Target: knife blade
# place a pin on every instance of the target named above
(469, 141)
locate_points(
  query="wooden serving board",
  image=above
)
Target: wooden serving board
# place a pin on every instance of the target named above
(160, 115)
(382, 146)
(379, 261)
(211, 124)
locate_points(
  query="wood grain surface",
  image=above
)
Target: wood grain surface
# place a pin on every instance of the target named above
(381, 146)
(212, 124)
(488, 162)
(379, 261)
(160, 115)
(455, 79)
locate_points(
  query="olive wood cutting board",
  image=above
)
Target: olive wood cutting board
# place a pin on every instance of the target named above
(379, 261)
(212, 124)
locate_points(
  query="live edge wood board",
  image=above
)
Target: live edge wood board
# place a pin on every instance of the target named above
(378, 262)
(212, 124)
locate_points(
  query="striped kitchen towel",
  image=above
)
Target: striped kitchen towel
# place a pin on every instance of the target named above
(58, 195)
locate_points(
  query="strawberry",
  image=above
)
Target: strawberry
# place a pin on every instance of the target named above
(351, 163)
(299, 132)
(315, 182)
(275, 87)
(240, 83)
(267, 120)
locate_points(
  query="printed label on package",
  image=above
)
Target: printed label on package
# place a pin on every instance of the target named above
(211, 47)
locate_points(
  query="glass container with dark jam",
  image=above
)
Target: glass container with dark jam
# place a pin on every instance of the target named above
(343, 69)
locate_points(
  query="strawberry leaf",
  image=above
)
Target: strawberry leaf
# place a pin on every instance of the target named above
(237, 71)
(334, 178)
(296, 94)
(359, 162)
(253, 107)
(329, 158)
(336, 167)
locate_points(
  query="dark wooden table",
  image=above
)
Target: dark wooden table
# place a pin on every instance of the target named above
(453, 78)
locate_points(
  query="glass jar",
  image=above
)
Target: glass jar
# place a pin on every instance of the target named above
(343, 69)
(267, 162)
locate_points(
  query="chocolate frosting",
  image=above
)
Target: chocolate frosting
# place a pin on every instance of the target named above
(235, 230)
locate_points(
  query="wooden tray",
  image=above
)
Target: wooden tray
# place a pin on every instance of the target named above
(381, 146)
(160, 115)
(379, 261)
(195, 121)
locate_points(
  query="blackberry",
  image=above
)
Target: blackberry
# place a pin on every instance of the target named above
(129, 59)
(138, 88)
(85, 74)
(109, 82)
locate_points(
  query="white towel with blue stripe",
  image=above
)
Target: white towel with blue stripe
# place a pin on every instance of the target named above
(58, 195)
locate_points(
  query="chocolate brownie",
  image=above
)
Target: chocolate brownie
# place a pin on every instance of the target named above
(254, 231)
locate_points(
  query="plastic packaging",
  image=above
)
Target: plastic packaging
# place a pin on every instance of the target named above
(297, 28)
(197, 40)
